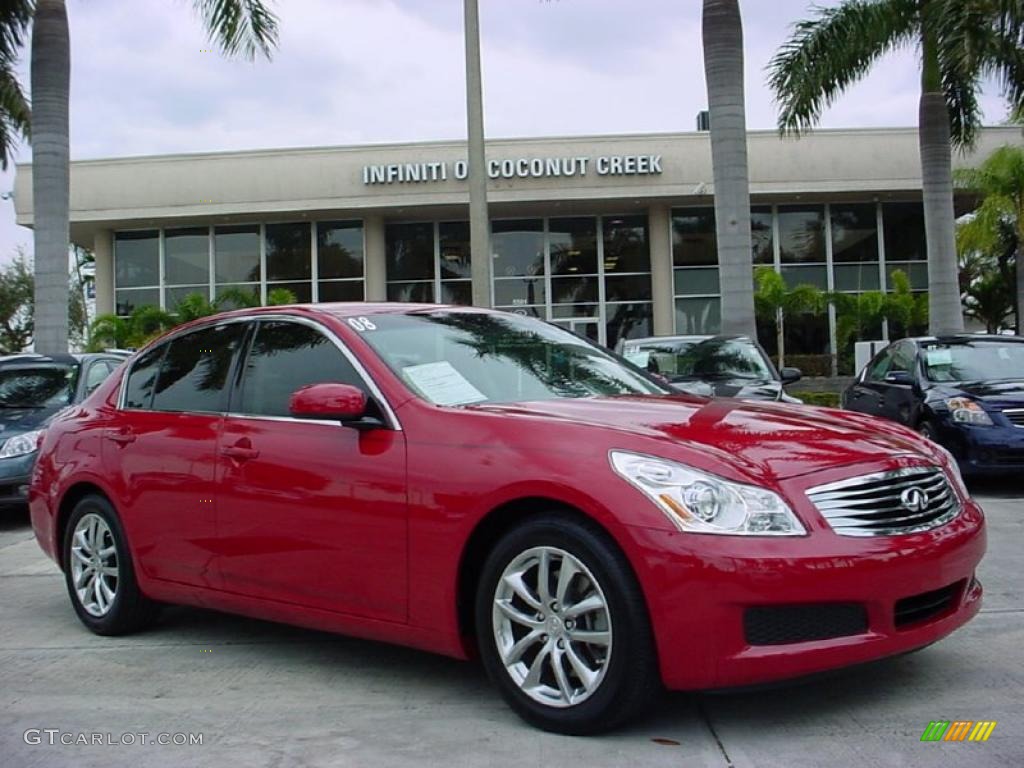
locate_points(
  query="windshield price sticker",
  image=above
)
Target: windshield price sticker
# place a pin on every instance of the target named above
(938, 357)
(442, 384)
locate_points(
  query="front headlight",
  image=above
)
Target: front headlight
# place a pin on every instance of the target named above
(20, 445)
(966, 411)
(698, 502)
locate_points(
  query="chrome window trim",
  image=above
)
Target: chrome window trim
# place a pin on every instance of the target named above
(371, 385)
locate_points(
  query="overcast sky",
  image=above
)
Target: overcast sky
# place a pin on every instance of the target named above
(365, 71)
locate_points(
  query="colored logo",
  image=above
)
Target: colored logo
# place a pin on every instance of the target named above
(958, 730)
(914, 499)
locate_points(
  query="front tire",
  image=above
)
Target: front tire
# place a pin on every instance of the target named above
(563, 628)
(99, 573)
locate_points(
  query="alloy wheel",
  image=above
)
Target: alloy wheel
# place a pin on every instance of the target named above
(95, 572)
(552, 627)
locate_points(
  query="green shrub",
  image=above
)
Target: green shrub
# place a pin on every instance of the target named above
(828, 399)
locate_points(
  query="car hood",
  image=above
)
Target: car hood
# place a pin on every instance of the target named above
(997, 393)
(750, 389)
(14, 421)
(757, 440)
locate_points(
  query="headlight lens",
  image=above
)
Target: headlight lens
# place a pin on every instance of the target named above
(20, 445)
(698, 502)
(966, 411)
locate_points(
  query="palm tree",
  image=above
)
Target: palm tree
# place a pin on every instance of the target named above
(245, 27)
(723, 71)
(960, 42)
(999, 180)
(15, 16)
(775, 303)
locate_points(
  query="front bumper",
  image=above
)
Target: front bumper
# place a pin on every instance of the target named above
(984, 450)
(15, 475)
(702, 590)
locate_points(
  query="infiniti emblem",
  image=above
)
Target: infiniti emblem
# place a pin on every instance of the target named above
(914, 499)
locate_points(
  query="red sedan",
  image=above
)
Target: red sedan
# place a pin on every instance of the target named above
(478, 483)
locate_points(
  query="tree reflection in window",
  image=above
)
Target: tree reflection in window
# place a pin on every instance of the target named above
(195, 369)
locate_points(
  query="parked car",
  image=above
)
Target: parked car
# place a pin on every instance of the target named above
(32, 389)
(714, 366)
(472, 482)
(966, 392)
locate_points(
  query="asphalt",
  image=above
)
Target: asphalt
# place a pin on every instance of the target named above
(268, 695)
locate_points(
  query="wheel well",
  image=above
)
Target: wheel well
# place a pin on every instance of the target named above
(488, 531)
(72, 496)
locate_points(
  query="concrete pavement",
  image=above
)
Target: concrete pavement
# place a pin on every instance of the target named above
(268, 695)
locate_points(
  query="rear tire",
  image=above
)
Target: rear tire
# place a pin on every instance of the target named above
(573, 652)
(99, 573)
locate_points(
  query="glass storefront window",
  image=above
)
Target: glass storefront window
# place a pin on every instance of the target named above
(698, 315)
(339, 249)
(573, 244)
(761, 235)
(693, 237)
(627, 288)
(416, 292)
(519, 291)
(174, 295)
(457, 292)
(806, 274)
(289, 252)
(903, 226)
(802, 234)
(629, 321)
(854, 233)
(249, 288)
(137, 259)
(574, 290)
(453, 241)
(410, 251)
(341, 290)
(128, 300)
(518, 247)
(626, 245)
(917, 271)
(857, 277)
(187, 256)
(236, 254)
(696, 282)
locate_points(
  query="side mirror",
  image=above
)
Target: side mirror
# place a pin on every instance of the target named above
(790, 375)
(337, 402)
(899, 378)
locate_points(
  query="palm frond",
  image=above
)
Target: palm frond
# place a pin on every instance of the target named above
(246, 27)
(961, 92)
(831, 51)
(15, 115)
(15, 17)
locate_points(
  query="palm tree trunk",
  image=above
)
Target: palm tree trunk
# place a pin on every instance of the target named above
(945, 314)
(50, 78)
(723, 71)
(479, 224)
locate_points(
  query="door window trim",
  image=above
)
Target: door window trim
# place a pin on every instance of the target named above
(389, 414)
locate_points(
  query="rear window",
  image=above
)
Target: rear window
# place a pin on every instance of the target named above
(43, 387)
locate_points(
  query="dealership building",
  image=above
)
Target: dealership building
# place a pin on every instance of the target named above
(611, 236)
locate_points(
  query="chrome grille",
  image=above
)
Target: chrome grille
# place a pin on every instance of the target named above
(900, 501)
(1015, 415)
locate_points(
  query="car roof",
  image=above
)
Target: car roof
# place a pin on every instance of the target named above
(961, 338)
(30, 359)
(693, 337)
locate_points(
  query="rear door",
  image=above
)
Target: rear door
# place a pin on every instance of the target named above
(866, 394)
(309, 512)
(161, 448)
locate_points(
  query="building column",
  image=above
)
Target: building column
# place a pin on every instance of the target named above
(376, 265)
(103, 251)
(662, 279)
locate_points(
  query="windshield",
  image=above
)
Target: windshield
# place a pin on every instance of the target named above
(452, 358)
(707, 359)
(974, 361)
(37, 387)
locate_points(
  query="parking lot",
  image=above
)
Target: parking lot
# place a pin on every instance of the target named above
(267, 695)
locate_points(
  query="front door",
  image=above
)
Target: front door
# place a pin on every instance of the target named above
(309, 512)
(160, 452)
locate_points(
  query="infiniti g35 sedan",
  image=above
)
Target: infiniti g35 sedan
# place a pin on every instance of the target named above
(481, 484)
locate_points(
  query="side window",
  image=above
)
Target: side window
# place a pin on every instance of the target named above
(903, 358)
(96, 375)
(284, 357)
(881, 366)
(195, 370)
(139, 387)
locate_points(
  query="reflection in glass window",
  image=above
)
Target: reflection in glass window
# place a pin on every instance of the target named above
(341, 290)
(195, 370)
(519, 290)
(802, 234)
(698, 315)
(421, 292)
(127, 301)
(187, 256)
(137, 259)
(174, 296)
(693, 237)
(457, 292)
(629, 321)
(573, 243)
(627, 288)
(854, 232)
(903, 226)
(236, 254)
(761, 235)
(810, 275)
(289, 252)
(285, 357)
(453, 239)
(518, 247)
(303, 292)
(41, 387)
(574, 290)
(627, 246)
(696, 282)
(916, 271)
(339, 249)
(138, 390)
(857, 277)
(410, 251)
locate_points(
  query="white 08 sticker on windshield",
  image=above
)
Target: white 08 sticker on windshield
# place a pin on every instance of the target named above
(361, 324)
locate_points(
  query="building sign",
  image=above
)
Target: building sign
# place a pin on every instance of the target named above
(516, 168)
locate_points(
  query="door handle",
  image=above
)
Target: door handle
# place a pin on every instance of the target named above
(121, 436)
(240, 451)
